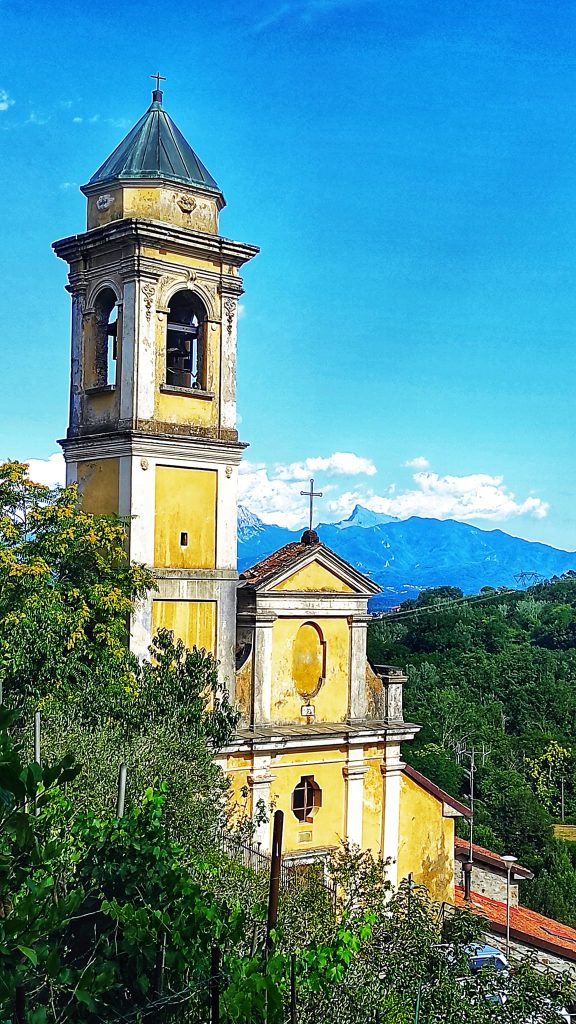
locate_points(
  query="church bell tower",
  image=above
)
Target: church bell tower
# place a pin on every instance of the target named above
(152, 433)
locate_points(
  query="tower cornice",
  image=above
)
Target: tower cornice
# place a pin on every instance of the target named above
(152, 446)
(155, 235)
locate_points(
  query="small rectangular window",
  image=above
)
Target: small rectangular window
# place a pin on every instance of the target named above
(184, 540)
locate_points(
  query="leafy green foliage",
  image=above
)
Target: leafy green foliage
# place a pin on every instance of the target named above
(66, 588)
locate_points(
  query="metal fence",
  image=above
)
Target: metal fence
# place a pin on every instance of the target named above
(294, 874)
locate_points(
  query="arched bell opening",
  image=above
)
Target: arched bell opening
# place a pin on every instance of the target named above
(186, 341)
(106, 337)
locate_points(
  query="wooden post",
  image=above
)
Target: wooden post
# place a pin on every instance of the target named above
(20, 1005)
(37, 737)
(215, 985)
(36, 752)
(293, 1003)
(159, 965)
(121, 791)
(275, 868)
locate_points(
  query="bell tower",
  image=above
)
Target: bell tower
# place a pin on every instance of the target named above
(152, 431)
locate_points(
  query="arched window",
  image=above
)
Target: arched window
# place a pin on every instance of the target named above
(106, 341)
(306, 798)
(185, 341)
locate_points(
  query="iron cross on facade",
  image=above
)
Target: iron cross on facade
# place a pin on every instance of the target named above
(311, 494)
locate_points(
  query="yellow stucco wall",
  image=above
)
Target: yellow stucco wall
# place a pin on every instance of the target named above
(183, 207)
(373, 800)
(328, 826)
(98, 484)
(185, 503)
(314, 577)
(193, 622)
(426, 843)
(331, 703)
(243, 687)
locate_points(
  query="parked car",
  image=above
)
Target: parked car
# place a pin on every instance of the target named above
(481, 955)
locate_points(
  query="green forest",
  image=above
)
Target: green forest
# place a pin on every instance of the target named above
(496, 673)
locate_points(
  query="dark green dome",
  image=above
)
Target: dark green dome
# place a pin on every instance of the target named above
(155, 149)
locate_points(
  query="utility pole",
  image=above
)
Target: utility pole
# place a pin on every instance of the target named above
(471, 756)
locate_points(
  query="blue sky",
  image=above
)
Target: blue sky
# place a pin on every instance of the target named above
(408, 170)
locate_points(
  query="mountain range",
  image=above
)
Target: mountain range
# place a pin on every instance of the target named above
(406, 556)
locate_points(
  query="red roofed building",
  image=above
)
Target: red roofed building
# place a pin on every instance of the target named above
(551, 943)
(489, 871)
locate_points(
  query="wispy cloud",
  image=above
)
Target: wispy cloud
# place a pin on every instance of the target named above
(116, 122)
(477, 496)
(339, 464)
(6, 101)
(419, 462)
(304, 11)
(35, 118)
(67, 185)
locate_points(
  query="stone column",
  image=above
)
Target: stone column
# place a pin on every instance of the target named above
(391, 770)
(137, 485)
(128, 354)
(354, 773)
(78, 303)
(263, 667)
(260, 781)
(358, 695)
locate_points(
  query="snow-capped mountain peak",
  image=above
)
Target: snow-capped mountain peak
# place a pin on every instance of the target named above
(249, 525)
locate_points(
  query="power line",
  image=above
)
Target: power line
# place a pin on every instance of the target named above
(443, 605)
(467, 599)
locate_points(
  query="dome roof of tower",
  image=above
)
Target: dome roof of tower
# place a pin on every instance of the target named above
(155, 149)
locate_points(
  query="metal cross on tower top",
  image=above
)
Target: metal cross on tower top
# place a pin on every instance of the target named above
(159, 78)
(311, 494)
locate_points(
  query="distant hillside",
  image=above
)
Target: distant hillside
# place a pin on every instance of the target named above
(406, 556)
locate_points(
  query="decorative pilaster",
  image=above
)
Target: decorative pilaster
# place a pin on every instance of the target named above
(260, 781)
(354, 773)
(263, 667)
(358, 695)
(228, 362)
(391, 770)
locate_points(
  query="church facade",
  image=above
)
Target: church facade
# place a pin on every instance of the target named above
(152, 436)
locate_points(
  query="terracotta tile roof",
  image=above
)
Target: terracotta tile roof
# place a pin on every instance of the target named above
(526, 926)
(278, 560)
(484, 856)
(435, 790)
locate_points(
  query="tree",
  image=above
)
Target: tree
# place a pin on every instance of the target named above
(66, 589)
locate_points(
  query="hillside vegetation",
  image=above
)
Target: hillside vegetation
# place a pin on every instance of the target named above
(498, 673)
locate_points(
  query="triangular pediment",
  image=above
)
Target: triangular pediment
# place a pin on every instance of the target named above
(316, 570)
(314, 578)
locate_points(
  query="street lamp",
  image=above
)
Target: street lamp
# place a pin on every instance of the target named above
(509, 861)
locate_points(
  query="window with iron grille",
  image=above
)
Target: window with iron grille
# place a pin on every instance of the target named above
(306, 798)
